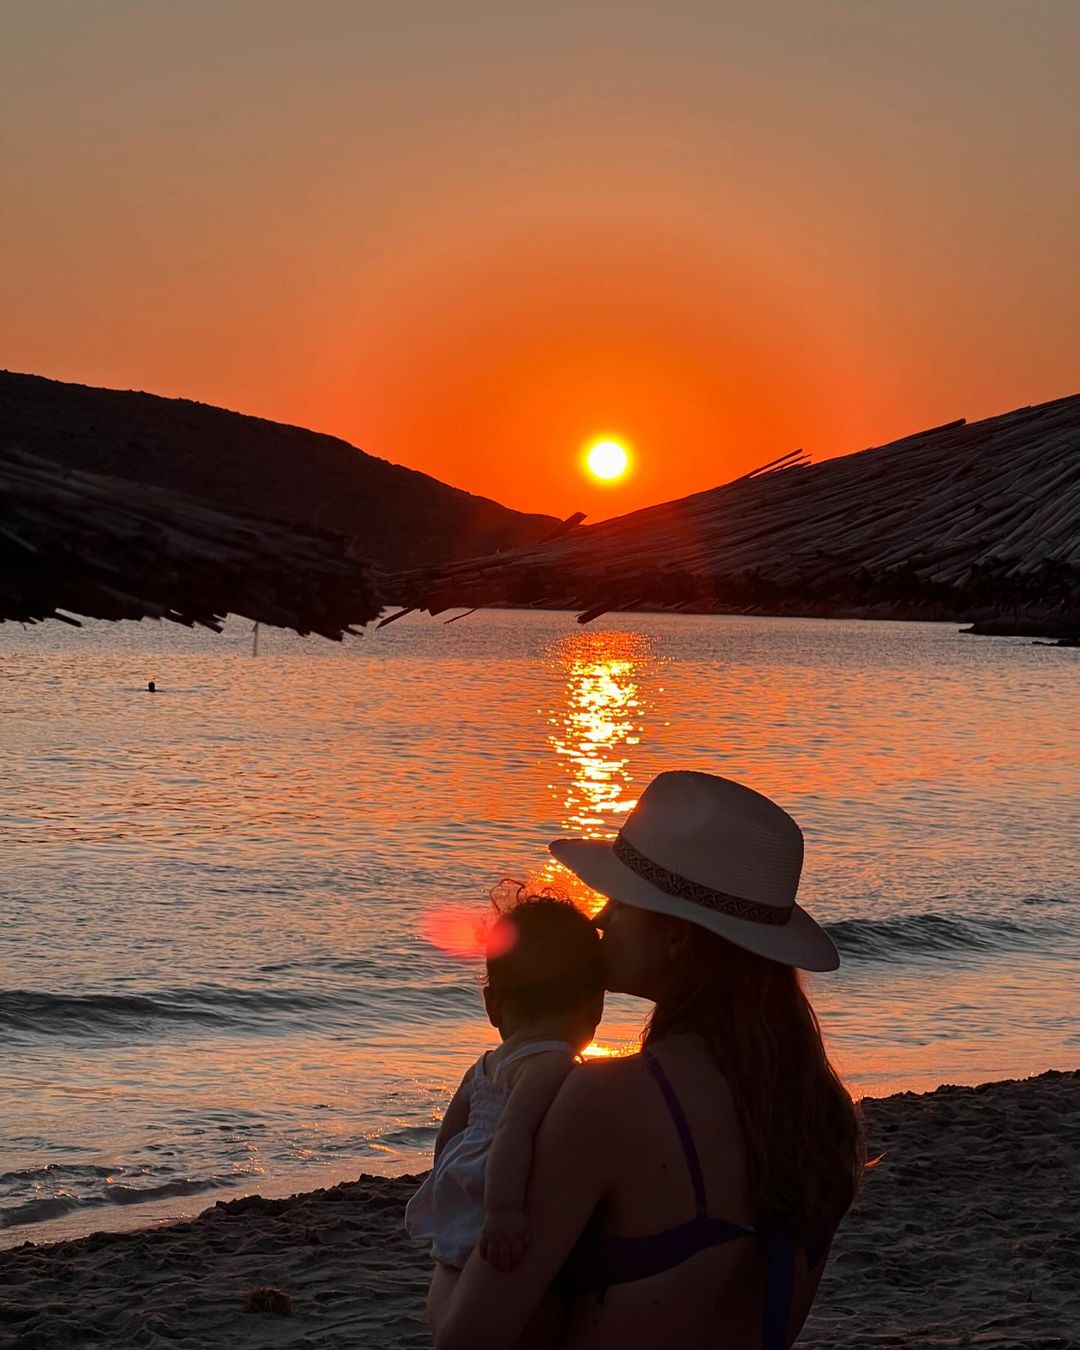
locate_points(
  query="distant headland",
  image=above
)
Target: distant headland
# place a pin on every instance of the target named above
(396, 517)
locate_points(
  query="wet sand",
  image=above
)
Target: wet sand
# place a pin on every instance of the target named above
(966, 1233)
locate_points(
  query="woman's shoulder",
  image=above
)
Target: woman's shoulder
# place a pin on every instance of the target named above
(603, 1083)
(612, 1069)
(589, 1104)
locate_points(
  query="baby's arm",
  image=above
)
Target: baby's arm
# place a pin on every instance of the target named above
(457, 1115)
(505, 1235)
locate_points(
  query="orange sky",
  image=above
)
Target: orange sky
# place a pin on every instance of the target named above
(468, 236)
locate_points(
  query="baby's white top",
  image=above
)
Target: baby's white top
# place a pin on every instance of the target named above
(448, 1209)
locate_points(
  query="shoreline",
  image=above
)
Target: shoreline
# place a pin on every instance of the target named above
(965, 1229)
(82, 1221)
(1062, 629)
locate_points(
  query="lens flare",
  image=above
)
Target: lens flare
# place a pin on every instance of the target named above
(470, 934)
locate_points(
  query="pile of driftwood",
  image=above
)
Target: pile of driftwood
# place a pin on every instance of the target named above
(960, 517)
(79, 543)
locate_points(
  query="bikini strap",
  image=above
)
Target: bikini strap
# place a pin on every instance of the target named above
(533, 1048)
(779, 1246)
(682, 1125)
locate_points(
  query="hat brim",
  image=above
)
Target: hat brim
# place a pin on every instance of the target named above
(800, 942)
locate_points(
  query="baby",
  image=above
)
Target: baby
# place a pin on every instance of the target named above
(544, 995)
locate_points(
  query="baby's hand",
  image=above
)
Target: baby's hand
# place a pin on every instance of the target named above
(504, 1239)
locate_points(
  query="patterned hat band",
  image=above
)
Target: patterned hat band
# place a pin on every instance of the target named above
(693, 891)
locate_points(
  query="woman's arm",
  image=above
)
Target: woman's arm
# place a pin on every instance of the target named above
(489, 1309)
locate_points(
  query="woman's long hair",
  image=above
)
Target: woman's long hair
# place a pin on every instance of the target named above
(802, 1131)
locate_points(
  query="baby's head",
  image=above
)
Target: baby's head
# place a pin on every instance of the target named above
(544, 971)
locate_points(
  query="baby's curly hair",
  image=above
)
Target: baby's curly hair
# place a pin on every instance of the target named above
(543, 952)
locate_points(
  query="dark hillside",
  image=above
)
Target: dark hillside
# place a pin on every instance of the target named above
(399, 518)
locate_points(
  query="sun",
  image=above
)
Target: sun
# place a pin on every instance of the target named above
(607, 460)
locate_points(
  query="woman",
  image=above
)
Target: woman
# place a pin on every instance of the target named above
(686, 1196)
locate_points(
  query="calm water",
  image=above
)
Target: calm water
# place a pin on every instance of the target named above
(216, 961)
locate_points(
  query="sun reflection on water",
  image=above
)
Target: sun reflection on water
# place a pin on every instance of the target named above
(593, 734)
(597, 725)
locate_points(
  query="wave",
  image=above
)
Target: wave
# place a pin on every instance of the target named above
(403, 1137)
(939, 936)
(43, 1208)
(28, 1010)
(43, 1013)
(49, 1171)
(349, 1006)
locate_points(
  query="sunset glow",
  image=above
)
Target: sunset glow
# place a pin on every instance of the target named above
(485, 490)
(754, 271)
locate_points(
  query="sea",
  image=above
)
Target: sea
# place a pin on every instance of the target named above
(240, 916)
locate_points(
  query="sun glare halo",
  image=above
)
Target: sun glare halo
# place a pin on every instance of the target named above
(607, 460)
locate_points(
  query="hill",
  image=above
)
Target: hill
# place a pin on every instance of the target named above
(398, 518)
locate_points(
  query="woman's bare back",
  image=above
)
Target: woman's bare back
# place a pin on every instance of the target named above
(610, 1162)
(719, 1289)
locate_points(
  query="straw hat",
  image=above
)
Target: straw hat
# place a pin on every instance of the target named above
(715, 853)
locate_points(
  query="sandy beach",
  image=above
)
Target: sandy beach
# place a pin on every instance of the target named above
(967, 1232)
